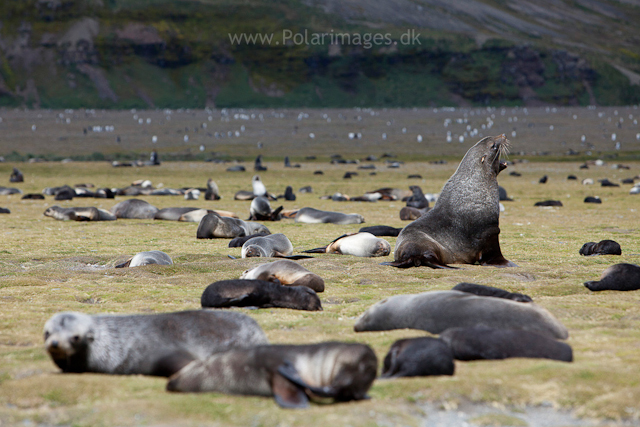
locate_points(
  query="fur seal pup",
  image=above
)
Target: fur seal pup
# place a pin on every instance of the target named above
(257, 165)
(462, 227)
(243, 195)
(214, 226)
(603, 247)
(212, 193)
(260, 210)
(147, 344)
(259, 293)
(593, 199)
(549, 203)
(146, 258)
(418, 357)
(4, 211)
(315, 216)
(277, 245)
(239, 241)
(172, 214)
(79, 214)
(286, 272)
(618, 277)
(32, 196)
(237, 168)
(417, 200)
(487, 343)
(64, 193)
(437, 311)
(502, 195)
(356, 244)
(408, 213)
(198, 214)
(16, 176)
(7, 191)
(288, 194)
(490, 291)
(134, 209)
(291, 373)
(381, 230)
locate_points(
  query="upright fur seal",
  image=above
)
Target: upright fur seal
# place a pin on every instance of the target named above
(488, 343)
(360, 244)
(286, 272)
(260, 210)
(79, 214)
(618, 277)
(16, 176)
(259, 293)
(146, 258)
(437, 311)
(134, 209)
(417, 357)
(603, 247)
(462, 227)
(147, 344)
(290, 373)
(315, 216)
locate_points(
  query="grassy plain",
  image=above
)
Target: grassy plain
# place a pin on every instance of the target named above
(48, 266)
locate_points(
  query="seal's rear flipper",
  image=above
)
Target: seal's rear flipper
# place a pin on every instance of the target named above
(287, 394)
(171, 363)
(275, 215)
(293, 256)
(288, 371)
(232, 257)
(321, 250)
(592, 285)
(124, 264)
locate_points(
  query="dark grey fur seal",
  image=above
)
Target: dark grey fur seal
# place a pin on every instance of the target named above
(239, 241)
(79, 214)
(593, 199)
(315, 216)
(147, 258)
(32, 196)
(543, 180)
(490, 291)
(418, 357)
(288, 194)
(271, 245)
(502, 195)
(134, 209)
(16, 176)
(488, 343)
(409, 213)
(381, 230)
(212, 193)
(618, 277)
(603, 247)
(237, 168)
(214, 226)
(65, 193)
(260, 210)
(360, 244)
(259, 293)
(286, 272)
(4, 211)
(172, 214)
(462, 227)
(417, 200)
(147, 344)
(437, 311)
(7, 191)
(291, 373)
(549, 203)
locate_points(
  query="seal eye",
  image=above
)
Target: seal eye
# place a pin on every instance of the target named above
(47, 335)
(75, 338)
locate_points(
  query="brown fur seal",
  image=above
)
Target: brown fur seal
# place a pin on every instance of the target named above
(437, 311)
(134, 209)
(79, 214)
(408, 213)
(286, 272)
(259, 293)
(315, 216)
(147, 258)
(618, 277)
(290, 373)
(462, 227)
(147, 344)
(356, 244)
(214, 226)
(603, 247)
(418, 357)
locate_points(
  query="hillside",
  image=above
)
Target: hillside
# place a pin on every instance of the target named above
(181, 53)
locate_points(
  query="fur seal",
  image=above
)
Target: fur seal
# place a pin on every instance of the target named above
(4, 211)
(212, 193)
(7, 191)
(214, 226)
(64, 193)
(198, 214)
(291, 373)
(356, 244)
(603, 247)
(381, 230)
(593, 199)
(277, 245)
(502, 195)
(260, 210)
(259, 293)
(417, 200)
(490, 291)
(286, 272)
(315, 216)
(134, 209)
(16, 176)
(437, 311)
(79, 214)
(288, 194)
(618, 277)
(487, 343)
(462, 227)
(172, 214)
(257, 165)
(146, 258)
(408, 213)
(32, 196)
(239, 241)
(147, 344)
(418, 357)
(549, 203)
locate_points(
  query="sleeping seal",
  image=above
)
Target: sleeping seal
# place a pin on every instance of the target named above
(290, 373)
(214, 226)
(146, 258)
(437, 311)
(273, 245)
(134, 209)
(356, 244)
(286, 272)
(259, 293)
(315, 216)
(147, 344)
(488, 343)
(418, 357)
(172, 214)
(198, 214)
(490, 291)
(618, 277)
(603, 247)
(79, 214)
(462, 227)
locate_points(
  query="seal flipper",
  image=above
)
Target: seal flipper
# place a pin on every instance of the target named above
(321, 250)
(287, 394)
(124, 264)
(288, 371)
(279, 255)
(171, 363)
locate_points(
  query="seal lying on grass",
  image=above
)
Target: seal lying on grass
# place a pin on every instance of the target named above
(417, 357)
(286, 272)
(618, 277)
(79, 214)
(146, 258)
(360, 244)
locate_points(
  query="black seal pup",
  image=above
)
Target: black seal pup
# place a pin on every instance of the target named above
(490, 291)
(134, 209)
(286, 272)
(259, 293)
(147, 258)
(291, 373)
(239, 241)
(147, 344)
(462, 227)
(618, 277)
(544, 203)
(316, 216)
(488, 343)
(437, 311)
(356, 244)
(418, 357)
(603, 247)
